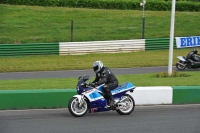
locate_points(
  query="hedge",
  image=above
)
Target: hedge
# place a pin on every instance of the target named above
(153, 5)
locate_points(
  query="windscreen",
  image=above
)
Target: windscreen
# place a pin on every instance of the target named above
(83, 78)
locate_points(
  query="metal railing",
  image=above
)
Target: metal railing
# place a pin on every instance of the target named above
(29, 49)
(158, 44)
(101, 46)
(73, 48)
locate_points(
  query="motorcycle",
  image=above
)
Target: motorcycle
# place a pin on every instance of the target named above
(183, 63)
(90, 99)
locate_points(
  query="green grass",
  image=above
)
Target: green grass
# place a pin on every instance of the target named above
(117, 60)
(29, 24)
(70, 83)
(80, 62)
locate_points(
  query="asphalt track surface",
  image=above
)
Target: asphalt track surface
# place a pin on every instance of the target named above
(77, 73)
(144, 119)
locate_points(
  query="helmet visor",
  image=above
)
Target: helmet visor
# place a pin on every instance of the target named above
(96, 68)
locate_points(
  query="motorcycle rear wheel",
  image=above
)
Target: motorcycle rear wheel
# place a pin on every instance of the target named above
(129, 105)
(180, 67)
(74, 108)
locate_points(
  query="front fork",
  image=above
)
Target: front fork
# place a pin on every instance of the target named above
(80, 100)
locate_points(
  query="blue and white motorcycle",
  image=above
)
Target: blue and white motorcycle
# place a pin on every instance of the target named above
(90, 99)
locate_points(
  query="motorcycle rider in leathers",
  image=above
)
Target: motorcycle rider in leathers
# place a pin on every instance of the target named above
(105, 75)
(191, 56)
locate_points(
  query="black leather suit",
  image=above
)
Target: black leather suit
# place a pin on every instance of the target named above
(106, 76)
(190, 57)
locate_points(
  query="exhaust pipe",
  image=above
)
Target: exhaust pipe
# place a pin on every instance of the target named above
(181, 64)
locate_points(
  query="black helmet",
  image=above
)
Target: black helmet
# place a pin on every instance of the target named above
(195, 51)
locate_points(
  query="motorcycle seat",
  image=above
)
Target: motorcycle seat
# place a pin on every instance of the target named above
(119, 88)
(122, 85)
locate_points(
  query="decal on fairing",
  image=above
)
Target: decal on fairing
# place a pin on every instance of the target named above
(93, 95)
(89, 91)
(93, 109)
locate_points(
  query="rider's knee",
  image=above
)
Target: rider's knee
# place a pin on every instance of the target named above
(106, 89)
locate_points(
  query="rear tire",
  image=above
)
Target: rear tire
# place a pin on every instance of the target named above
(129, 106)
(180, 67)
(74, 108)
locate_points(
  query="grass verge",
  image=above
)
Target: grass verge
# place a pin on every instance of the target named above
(80, 62)
(70, 83)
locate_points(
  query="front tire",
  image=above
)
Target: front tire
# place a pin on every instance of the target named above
(75, 109)
(129, 105)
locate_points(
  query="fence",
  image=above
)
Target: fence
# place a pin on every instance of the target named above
(29, 49)
(157, 44)
(72, 48)
(101, 46)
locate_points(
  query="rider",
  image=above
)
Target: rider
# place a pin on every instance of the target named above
(191, 56)
(105, 75)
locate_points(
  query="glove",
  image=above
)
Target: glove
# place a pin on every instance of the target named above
(92, 84)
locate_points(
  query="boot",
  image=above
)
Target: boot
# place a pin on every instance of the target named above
(111, 101)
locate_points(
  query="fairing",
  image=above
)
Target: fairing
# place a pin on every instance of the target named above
(181, 58)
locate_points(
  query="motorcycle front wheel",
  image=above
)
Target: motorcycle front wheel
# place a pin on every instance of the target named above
(180, 67)
(127, 106)
(76, 109)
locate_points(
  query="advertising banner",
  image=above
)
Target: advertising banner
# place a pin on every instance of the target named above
(184, 42)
